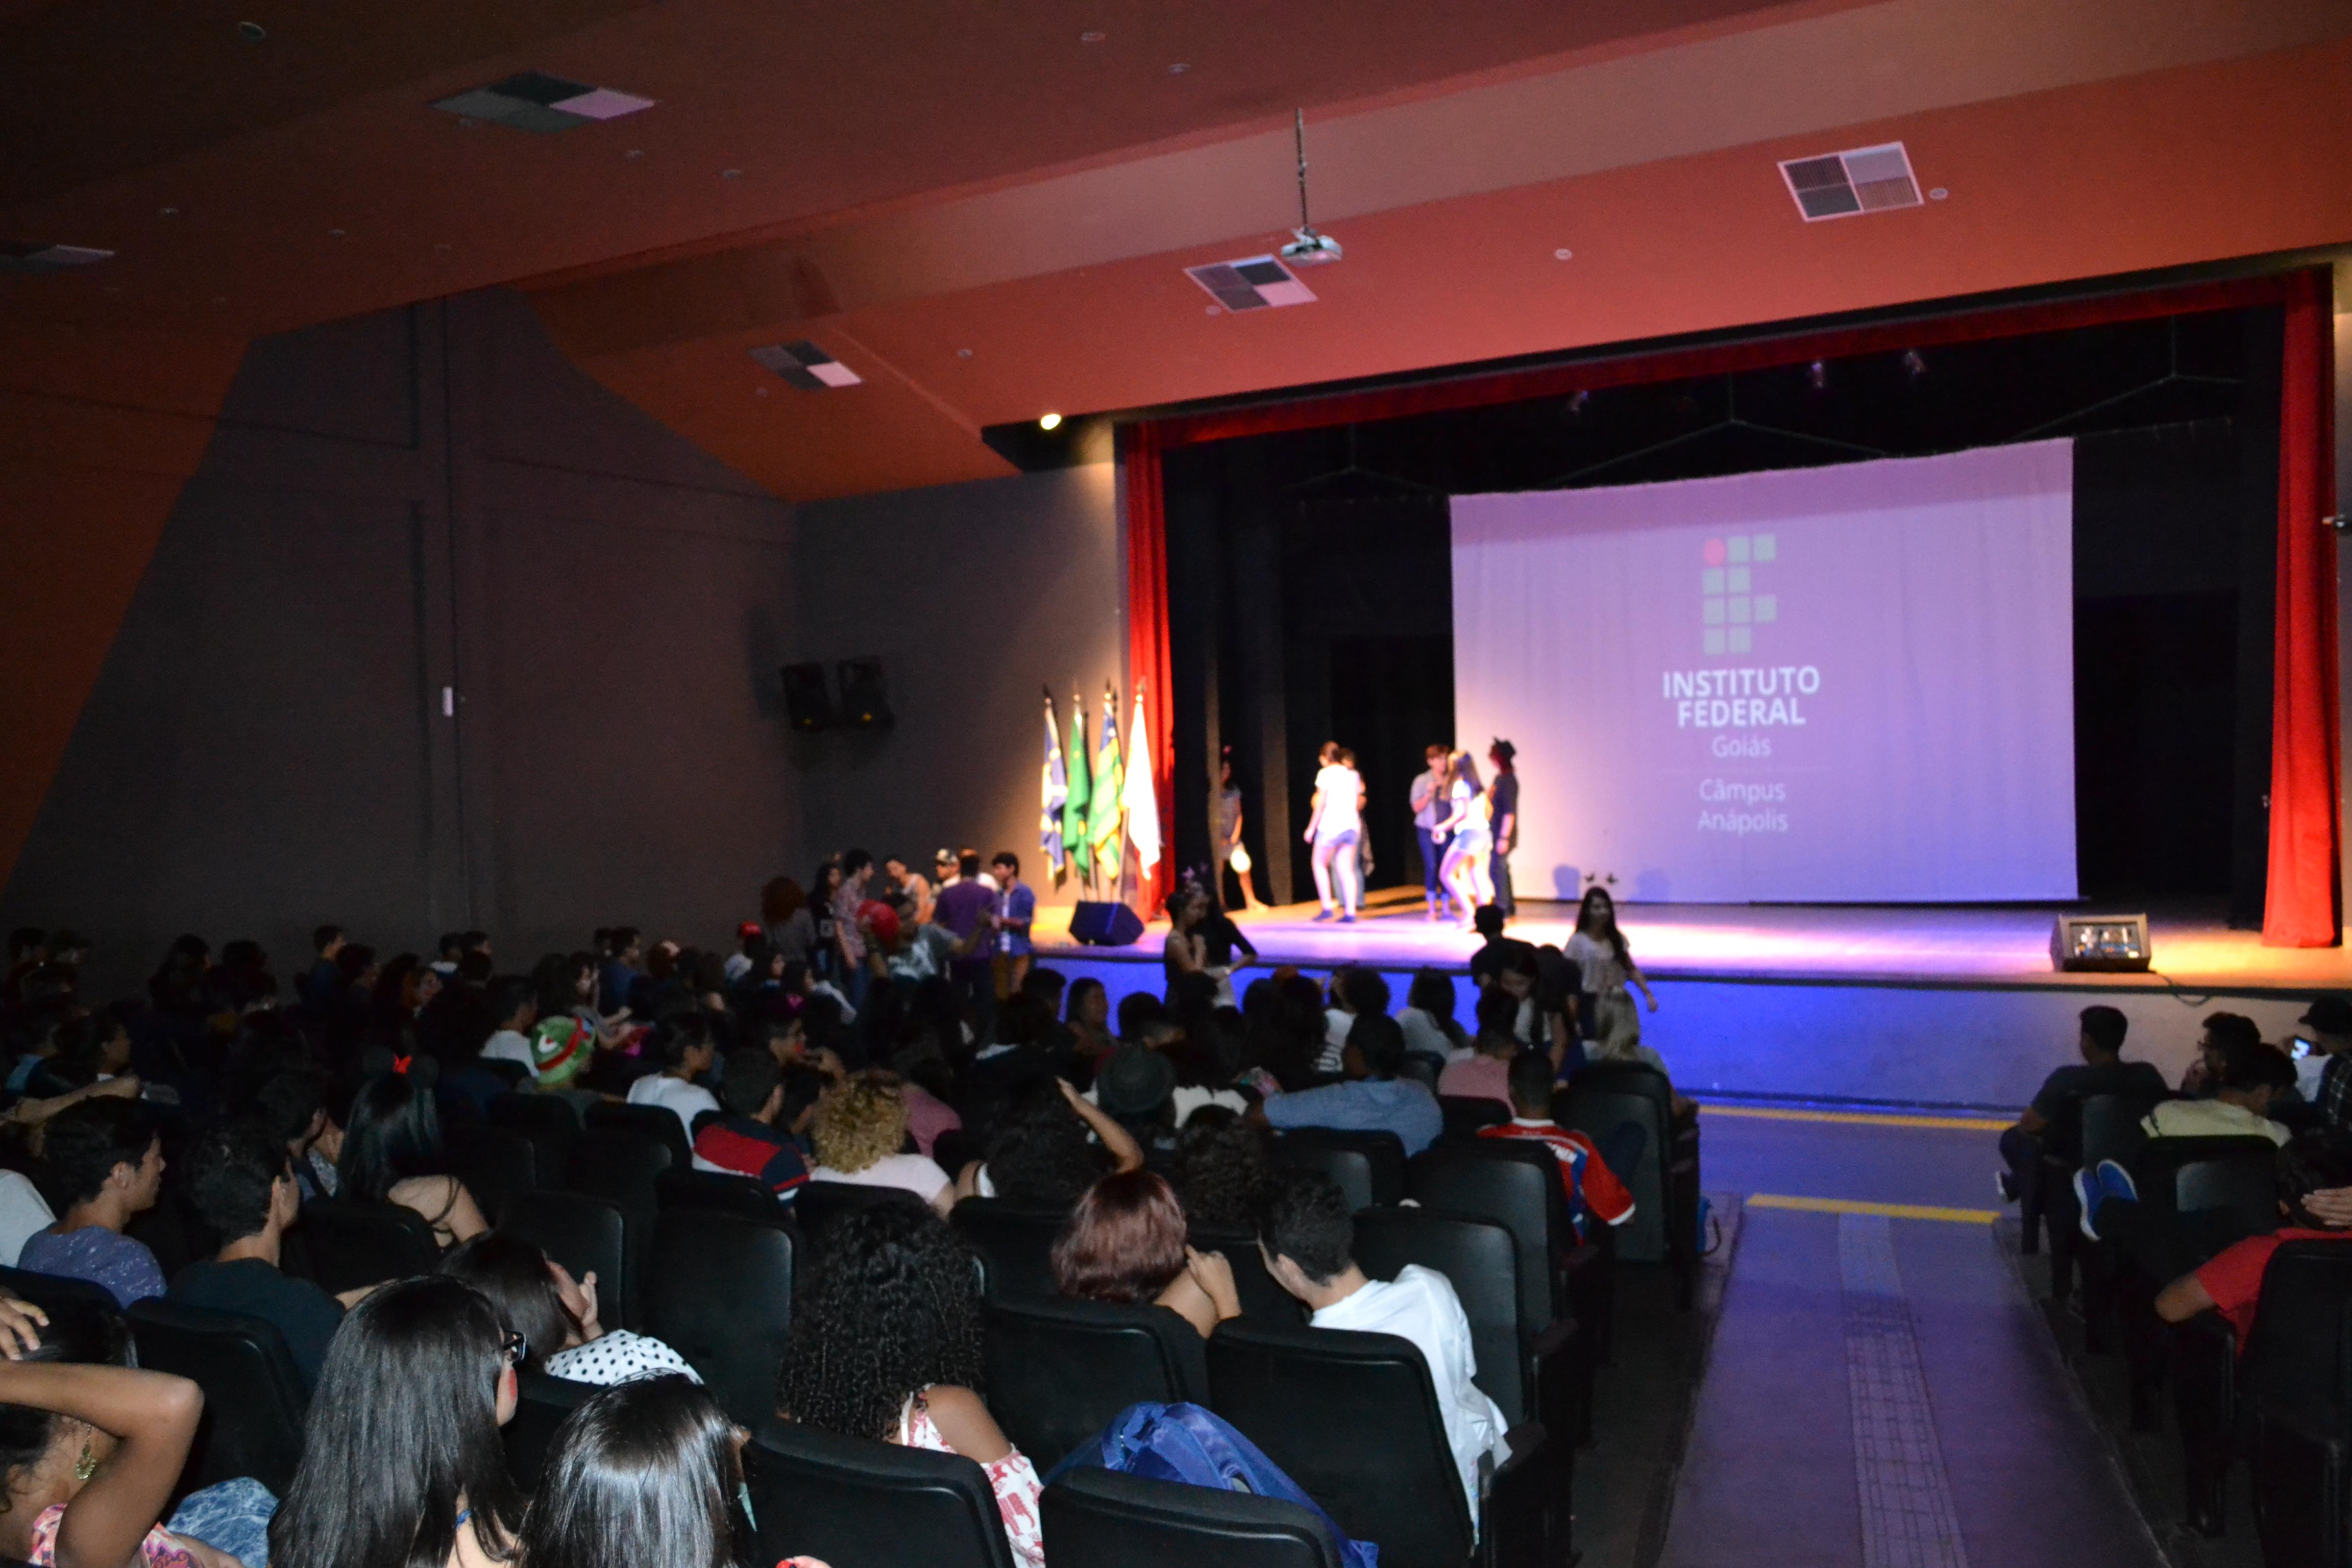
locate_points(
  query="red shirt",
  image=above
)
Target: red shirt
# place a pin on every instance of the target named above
(2234, 1279)
(1592, 1187)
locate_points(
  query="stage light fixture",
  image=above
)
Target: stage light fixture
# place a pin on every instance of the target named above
(1049, 422)
(1818, 373)
(1914, 363)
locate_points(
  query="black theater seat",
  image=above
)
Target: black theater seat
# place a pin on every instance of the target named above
(352, 1244)
(852, 1501)
(1058, 1370)
(1368, 1166)
(1103, 1519)
(1015, 1241)
(253, 1397)
(720, 1294)
(581, 1233)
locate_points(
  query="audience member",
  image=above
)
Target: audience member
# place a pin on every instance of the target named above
(1089, 1017)
(1356, 993)
(749, 1138)
(886, 1345)
(401, 1463)
(1485, 1073)
(2328, 1024)
(1372, 1099)
(1221, 1166)
(392, 1155)
(683, 1046)
(23, 1213)
(2057, 1105)
(514, 1005)
(1124, 1243)
(1307, 1237)
(240, 1182)
(1048, 1148)
(1428, 1020)
(556, 1315)
(861, 1126)
(2248, 1080)
(102, 1163)
(2231, 1283)
(2221, 1031)
(1594, 1191)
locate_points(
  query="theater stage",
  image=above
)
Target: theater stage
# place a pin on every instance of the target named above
(1910, 1005)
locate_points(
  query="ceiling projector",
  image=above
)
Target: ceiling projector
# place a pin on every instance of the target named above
(1309, 249)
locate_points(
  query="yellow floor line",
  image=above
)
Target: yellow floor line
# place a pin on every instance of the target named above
(1855, 1205)
(1859, 1118)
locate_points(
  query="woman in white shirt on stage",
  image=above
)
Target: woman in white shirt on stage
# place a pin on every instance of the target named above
(1469, 839)
(1335, 826)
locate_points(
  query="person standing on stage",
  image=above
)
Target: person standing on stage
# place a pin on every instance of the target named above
(1363, 840)
(1503, 814)
(1468, 837)
(1229, 833)
(1335, 826)
(1429, 807)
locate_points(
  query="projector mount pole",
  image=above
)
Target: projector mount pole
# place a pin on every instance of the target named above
(1298, 131)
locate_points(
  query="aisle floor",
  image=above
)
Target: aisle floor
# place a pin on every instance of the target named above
(1880, 1391)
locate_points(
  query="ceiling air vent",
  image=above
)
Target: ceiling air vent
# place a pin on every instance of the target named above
(806, 366)
(537, 101)
(16, 256)
(1839, 184)
(1252, 283)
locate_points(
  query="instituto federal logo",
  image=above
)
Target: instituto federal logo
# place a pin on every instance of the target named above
(1729, 608)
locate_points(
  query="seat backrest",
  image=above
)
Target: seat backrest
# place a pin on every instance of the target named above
(543, 1403)
(1059, 1370)
(1480, 1258)
(2299, 1356)
(354, 1244)
(2161, 1160)
(1106, 1519)
(2240, 1182)
(622, 1164)
(1466, 1113)
(652, 1121)
(2110, 1130)
(849, 1501)
(581, 1233)
(743, 1196)
(495, 1163)
(46, 1290)
(1262, 1299)
(1015, 1241)
(1516, 1184)
(720, 1294)
(1368, 1166)
(820, 1203)
(1353, 1419)
(253, 1397)
(1603, 1099)
(551, 1124)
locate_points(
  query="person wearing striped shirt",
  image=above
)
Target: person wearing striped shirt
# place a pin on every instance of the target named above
(744, 1140)
(1593, 1190)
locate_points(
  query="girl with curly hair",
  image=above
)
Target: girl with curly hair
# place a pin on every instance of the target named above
(887, 1344)
(861, 1127)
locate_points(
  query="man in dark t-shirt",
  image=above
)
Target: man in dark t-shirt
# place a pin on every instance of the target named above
(2052, 1123)
(241, 1181)
(1503, 812)
(747, 1141)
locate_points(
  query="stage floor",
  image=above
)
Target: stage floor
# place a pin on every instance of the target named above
(1974, 946)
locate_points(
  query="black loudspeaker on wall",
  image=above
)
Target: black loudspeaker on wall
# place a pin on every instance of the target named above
(865, 705)
(806, 704)
(1105, 925)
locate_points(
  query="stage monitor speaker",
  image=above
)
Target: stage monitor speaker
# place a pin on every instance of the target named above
(865, 705)
(806, 704)
(1105, 925)
(2105, 942)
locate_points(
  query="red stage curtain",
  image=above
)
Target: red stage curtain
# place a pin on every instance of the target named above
(1147, 646)
(2300, 906)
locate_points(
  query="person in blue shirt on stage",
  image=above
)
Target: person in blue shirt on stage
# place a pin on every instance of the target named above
(1373, 1100)
(1016, 907)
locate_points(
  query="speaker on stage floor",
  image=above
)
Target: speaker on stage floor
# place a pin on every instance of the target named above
(1105, 925)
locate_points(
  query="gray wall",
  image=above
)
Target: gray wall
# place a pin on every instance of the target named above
(425, 498)
(976, 596)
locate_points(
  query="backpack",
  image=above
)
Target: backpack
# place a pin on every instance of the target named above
(1195, 1448)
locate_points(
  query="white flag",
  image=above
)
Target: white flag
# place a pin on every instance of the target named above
(1139, 798)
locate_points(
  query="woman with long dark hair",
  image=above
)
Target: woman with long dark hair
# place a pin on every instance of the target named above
(1469, 837)
(557, 1315)
(886, 1345)
(644, 1474)
(1606, 967)
(392, 1155)
(401, 1463)
(1124, 1243)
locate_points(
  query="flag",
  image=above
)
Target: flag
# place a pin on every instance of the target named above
(1074, 810)
(1141, 799)
(1053, 793)
(1102, 810)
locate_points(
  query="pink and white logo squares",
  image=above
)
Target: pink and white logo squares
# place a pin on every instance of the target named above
(1729, 607)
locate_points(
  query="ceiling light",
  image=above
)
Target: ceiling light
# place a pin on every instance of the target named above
(1049, 422)
(1252, 283)
(806, 366)
(1563, 254)
(533, 100)
(1090, 37)
(1179, 68)
(730, 174)
(1861, 180)
(252, 32)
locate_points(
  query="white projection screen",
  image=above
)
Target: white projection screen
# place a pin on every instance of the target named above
(1835, 685)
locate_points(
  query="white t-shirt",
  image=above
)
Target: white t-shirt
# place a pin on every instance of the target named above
(1336, 1024)
(617, 1357)
(1423, 1032)
(1420, 1305)
(680, 1098)
(1474, 831)
(1339, 786)
(917, 1173)
(23, 1213)
(509, 1046)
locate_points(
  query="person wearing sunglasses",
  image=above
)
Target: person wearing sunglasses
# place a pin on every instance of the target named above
(401, 1459)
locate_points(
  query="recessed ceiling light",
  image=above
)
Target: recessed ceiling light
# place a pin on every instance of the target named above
(1179, 68)
(169, 212)
(635, 152)
(252, 32)
(1938, 194)
(1090, 37)
(759, 392)
(334, 234)
(963, 354)
(1563, 254)
(730, 174)
(1049, 422)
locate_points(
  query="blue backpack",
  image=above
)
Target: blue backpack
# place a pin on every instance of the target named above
(1194, 1447)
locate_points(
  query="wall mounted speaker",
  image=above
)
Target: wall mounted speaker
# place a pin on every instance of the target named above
(864, 704)
(806, 702)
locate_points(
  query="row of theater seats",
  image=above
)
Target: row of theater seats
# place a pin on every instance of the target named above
(2282, 1400)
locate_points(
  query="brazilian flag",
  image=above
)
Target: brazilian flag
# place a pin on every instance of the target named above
(1073, 804)
(1103, 813)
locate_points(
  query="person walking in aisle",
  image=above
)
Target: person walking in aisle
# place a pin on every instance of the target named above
(1229, 831)
(1503, 815)
(1429, 808)
(1468, 837)
(1335, 825)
